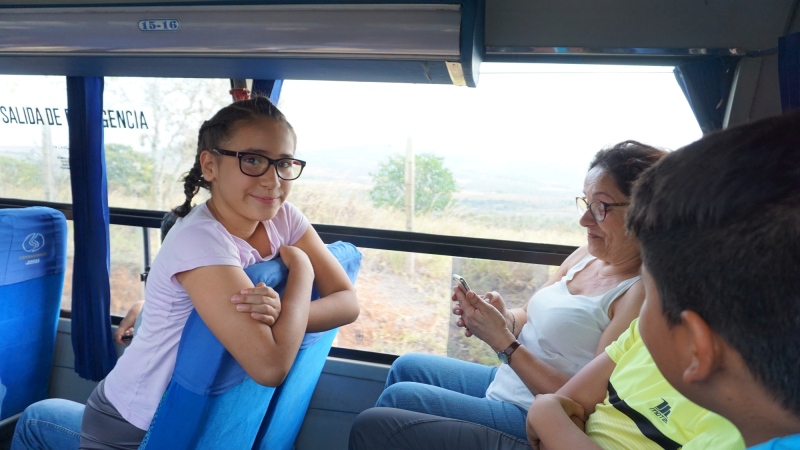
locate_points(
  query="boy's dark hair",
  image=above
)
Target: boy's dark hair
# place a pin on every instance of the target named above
(219, 129)
(719, 226)
(625, 162)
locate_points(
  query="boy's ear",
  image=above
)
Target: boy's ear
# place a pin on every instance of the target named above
(705, 353)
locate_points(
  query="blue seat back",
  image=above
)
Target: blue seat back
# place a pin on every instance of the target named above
(33, 258)
(290, 403)
(210, 401)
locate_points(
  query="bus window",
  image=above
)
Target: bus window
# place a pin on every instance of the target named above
(406, 307)
(34, 151)
(150, 127)
(502, 161)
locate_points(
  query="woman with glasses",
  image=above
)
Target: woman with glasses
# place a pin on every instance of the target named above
(589, 301)
(245, 158)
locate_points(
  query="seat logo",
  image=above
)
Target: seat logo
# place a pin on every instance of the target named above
(33, 242)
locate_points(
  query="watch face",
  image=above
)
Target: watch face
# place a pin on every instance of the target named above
(502, 357)
(506, 354)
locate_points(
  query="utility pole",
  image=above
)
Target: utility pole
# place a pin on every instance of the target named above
(47, 164)
(409, 199)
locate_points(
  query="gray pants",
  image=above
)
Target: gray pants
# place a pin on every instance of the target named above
(104, 428)
(397, 429)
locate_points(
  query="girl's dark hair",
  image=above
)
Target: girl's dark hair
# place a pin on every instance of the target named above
(626, 161)
(219, 129)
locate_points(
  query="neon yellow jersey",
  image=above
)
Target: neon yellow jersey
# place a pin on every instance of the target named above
(643, 411)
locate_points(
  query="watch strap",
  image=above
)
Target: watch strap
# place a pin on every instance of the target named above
(505, 355)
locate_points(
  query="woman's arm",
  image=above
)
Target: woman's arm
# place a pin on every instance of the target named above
(488, 324)
(622, 312)
(516, 317)
(265, 352)
(338, 304)
(538, 376)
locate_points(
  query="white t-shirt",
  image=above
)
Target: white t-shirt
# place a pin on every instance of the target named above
(562, 330)
(140, 378)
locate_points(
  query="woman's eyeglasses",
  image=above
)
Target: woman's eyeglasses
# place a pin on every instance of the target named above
(597, 208)
(256, 164)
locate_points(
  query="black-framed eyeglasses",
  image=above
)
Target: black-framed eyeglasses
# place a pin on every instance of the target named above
(256, 164)
(597, 208)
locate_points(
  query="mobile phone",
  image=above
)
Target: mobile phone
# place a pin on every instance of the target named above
(127, 337)
(460, 280)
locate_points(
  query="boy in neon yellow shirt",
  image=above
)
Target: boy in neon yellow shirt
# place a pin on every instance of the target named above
(721, 254)
(621, 401)
(719, 226)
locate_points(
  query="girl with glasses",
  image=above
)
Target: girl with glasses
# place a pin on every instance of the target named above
(200, 265)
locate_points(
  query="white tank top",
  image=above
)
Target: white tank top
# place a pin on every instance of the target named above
(562, 330)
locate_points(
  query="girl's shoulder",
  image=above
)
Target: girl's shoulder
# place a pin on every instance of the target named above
(198, 221)
(288, 210)
(290, 223)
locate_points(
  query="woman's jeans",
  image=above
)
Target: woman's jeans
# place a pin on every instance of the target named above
(449, 387)
(62, 425)
(54, 423)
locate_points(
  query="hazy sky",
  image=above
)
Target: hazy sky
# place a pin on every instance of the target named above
(529, 118)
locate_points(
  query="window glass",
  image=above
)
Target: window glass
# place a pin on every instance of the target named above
(501, 161)
(504, 160)
(66, 293)
(151, 127)
(406, 306)
(34, 151)
(128, 261)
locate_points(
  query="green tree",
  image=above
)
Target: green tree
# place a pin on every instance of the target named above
(20, 172)
(434, 184)
(128, 170)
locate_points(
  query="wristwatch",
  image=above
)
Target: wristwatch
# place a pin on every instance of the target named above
(505, 355)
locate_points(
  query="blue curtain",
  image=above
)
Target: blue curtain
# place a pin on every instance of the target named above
(707, 85)
(789, 71)
(268, 88)
(95, 355)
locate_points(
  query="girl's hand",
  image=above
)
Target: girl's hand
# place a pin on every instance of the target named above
(261, 301)
(125, 329)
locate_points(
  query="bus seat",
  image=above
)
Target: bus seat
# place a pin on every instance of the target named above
(33, 258)
(290, 403)
(210, 401)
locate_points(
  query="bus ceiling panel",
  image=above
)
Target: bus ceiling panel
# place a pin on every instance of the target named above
(636, 24)
(424, 72)
(289, 36)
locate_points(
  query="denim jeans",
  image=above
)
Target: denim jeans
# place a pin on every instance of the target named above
(52, 424)
(62, 424)
(396, 429)
(449, 387)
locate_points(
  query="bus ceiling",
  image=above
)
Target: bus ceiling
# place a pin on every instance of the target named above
(416, 41)
(438, 42)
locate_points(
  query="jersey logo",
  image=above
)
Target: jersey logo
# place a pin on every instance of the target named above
(662, 411)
